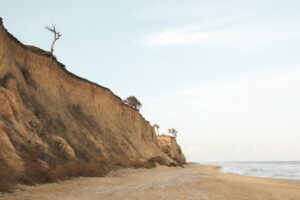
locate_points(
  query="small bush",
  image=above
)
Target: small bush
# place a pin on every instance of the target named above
(75, 169)
(37, 172)
(34, 173)
(7, 179)
(147, 164)
(158, 159)
(151, 163)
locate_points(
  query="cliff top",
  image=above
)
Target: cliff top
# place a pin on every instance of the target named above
(48, 54)
(166, 138)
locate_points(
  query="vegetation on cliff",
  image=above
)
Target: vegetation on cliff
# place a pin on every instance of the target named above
(133, 102)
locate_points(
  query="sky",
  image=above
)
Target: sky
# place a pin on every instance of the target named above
(224, 73)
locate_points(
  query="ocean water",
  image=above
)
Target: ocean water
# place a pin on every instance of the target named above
(267, 169)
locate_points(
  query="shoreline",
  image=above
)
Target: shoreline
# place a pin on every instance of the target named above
(192, 182)
(232, 173)
(249, 176)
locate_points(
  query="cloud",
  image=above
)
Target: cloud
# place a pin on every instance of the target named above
(269, 94)
(285, 80)
(260, 94)
(222, 32)
(259, 103)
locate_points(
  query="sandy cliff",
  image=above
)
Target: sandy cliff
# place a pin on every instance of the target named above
(169, 146)
(49, 116)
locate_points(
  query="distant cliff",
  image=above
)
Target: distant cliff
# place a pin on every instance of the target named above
(50, 117)
(170, 147)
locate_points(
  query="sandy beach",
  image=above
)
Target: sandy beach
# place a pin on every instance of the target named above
(192, 182)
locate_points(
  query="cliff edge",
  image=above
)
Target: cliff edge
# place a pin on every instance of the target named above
(50, 117)
(169, 146)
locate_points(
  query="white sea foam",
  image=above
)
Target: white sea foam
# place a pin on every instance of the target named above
(274, 169)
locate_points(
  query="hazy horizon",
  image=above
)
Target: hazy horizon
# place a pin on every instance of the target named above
(225, 74)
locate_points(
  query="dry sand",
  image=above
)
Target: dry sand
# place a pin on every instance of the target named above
(192, 182)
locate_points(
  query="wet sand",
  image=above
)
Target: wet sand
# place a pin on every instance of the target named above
(192, 182)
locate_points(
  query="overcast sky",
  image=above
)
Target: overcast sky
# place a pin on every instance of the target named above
(224, 73)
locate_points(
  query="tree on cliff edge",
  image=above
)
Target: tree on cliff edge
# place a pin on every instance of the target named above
(133, 102)
(57, 35)
(156, 126)
(173, 132)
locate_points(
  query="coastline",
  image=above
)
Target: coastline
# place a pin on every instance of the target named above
(192, 182)
(252, 176)
(283, 170)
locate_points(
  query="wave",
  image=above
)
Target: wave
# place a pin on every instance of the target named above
(267, 169)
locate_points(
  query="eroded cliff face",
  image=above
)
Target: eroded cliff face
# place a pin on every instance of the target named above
(51, 116)
(170, 147)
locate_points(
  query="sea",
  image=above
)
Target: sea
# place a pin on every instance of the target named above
(267, 169)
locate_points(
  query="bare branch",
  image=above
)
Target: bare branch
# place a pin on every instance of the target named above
(156, 126)
(57, 35)
(173, 131)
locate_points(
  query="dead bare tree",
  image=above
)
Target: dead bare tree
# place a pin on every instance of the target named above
(156, 126)
(56, 36)
(173, 132)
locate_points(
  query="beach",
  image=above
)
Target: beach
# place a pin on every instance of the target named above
(192, 182)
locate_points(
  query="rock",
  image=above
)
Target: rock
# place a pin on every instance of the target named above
(169, 146)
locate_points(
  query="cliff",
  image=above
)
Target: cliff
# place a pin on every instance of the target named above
(169, 146)
(50, 117)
